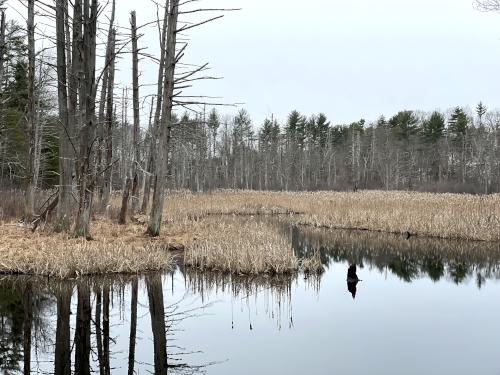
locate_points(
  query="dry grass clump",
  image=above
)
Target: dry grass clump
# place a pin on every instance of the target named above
(57, 255)
(244, 247)
(460, 216)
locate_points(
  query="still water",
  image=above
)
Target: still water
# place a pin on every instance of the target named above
(423, 307)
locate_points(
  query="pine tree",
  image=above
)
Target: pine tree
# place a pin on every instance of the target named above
(433, 128)
(480, 112)
(404, 124)
(458, 122)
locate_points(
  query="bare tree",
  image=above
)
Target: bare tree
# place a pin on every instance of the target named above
(65, 152)
(166, 121)
(87, 130)
(132, 180)
(106, 193)
(135, 101)
(103, 179)
(2, 57)
(29, 210)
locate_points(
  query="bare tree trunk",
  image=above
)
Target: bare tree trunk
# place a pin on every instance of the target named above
(65, 151)
(153, 149)
(166, 122)
(123, 211)
(135, 100)
(106, 188)
(29, 209)
(124, 136)
(2, 62)
(149, 170)
(39, 129)
(67, 34)
(87, 131)
(102, 162)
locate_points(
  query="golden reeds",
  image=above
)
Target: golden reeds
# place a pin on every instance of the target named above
(244, 247)
(57, 255)
(460, 216)
(199, 221)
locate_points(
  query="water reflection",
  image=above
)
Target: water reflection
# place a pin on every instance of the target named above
(409, 259)
(81, 342)
(352, 280)
(130, 324)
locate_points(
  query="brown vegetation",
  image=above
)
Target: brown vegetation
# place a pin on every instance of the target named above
(459, 216)
(116, 249)
(245, 247)
(214, 239)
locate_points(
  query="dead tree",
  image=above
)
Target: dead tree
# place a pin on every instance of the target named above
(133, 176)
(106, 187)
(29, 210)
(2, 59)
(153, 147)
(87, 130)
(149, 168)
(103, 183)
(65, 154)
(166, 121)
(68, 78)
(135, 101)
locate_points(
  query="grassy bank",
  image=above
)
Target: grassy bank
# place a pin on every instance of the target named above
(249, 248)
(458, 216)
(216, 237)
(116, 249)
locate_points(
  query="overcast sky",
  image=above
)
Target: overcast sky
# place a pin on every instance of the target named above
(347, 58)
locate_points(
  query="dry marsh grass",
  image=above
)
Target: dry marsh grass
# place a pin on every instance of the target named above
(246, 247)
(115, 250)
(202, 222)
(243, 248)
(459, 216)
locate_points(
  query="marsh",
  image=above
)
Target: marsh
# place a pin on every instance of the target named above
(421, 301)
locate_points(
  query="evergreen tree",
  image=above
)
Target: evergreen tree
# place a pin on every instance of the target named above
(433, 128)
(458, 122)
(323, 127)
(404, 124)
(480, 112)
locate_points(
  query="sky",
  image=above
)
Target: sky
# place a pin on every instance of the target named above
(349, 59)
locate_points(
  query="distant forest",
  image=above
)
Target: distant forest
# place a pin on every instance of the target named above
(454, 151)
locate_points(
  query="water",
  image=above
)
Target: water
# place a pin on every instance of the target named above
(423, 307)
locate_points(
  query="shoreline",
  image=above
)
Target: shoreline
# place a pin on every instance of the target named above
(217, 230)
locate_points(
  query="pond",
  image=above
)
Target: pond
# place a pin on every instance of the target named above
(423, 307)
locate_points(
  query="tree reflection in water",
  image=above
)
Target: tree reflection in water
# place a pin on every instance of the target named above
(408, 259)
(67, 327)
(31, 340)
